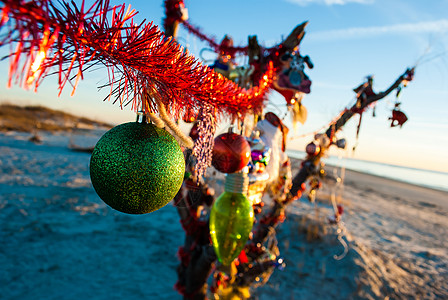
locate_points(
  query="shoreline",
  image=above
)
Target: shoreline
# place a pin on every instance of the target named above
(432, 179)
(383, 184)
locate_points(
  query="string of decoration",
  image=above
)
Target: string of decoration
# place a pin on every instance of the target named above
(204, 144)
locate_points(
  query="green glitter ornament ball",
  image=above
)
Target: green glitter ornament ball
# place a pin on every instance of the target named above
(137, 168)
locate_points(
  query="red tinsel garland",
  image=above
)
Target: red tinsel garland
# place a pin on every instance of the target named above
(174, 15)
(73, 39)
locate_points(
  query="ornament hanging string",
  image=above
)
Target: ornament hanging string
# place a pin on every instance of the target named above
(165, 119)
(72, 39)
(152, 116)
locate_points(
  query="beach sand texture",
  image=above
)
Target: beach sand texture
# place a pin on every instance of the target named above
(60, 241)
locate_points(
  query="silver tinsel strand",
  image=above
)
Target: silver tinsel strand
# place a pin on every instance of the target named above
(203, 147)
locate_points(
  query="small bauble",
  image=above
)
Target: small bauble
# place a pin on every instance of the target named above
(137, 168)
(256, 156)
(341, 143)
(312, 149)
(231, 153)
(189, 116)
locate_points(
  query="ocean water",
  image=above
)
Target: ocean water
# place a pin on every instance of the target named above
(421, 177)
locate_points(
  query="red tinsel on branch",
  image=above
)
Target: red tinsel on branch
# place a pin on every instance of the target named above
(72, 39)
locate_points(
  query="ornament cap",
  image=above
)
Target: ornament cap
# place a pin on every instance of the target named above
(141, 118)
(237, 182)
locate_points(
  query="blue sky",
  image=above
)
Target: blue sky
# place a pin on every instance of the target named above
(346, 40)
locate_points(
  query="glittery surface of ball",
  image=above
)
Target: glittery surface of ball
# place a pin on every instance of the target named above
(137, 168)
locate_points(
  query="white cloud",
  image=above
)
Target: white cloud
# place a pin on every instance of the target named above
(440, 26)
(329, 2)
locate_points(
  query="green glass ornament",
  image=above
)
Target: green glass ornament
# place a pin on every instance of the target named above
(231, 219)
(137, 168)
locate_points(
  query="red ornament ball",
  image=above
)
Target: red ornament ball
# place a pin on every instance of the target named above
(231, 153)
(312, 149)
(189, 116)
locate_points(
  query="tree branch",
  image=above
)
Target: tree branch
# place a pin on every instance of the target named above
(334, 127)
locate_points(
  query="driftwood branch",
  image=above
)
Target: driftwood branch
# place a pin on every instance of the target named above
(198, 256)
(309, 166)
(335, 127)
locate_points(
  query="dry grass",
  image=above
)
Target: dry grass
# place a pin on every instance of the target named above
(34, 118)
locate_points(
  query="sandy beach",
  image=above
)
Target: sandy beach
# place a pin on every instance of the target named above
(396, 234)
(60, 241)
